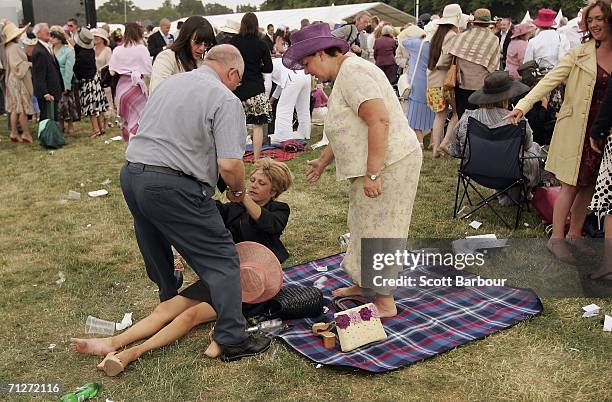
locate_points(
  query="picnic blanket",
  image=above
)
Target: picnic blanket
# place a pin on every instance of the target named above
(282, 152)
(430, 321)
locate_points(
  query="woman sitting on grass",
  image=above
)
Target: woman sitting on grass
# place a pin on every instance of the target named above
(258, 218)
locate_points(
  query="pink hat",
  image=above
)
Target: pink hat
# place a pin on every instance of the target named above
(546, 18)
(522, 29)
(308, 41)
(261, 276)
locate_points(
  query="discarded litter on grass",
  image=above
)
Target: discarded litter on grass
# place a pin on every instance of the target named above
(74, 195)
(106, 182)
(51, 346)
(475, 224)
(607, 327)
(62, 278)
(97, 193)
(95, 325)
(125, 322)
(591, 310)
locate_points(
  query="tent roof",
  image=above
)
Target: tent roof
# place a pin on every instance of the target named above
(336, 14)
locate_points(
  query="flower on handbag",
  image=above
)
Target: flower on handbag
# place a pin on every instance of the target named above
(365, 313)
(374, 311)
(343, 321)
(354, 317)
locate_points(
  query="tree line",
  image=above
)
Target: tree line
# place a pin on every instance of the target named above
(117, 11)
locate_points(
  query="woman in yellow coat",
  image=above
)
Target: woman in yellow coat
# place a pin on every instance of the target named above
(585, 69)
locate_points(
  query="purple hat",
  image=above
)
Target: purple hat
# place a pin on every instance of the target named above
(308, 41)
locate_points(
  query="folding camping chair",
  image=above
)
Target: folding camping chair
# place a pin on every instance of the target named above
(492, 158)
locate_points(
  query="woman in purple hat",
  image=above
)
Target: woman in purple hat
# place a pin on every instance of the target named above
(586, 71)
(374, 149)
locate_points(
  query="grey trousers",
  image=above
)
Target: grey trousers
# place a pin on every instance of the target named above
(178, 211)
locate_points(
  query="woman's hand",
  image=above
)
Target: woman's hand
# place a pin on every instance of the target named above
(317, 167)
(595, 145)
(514, 116)
(372, 188)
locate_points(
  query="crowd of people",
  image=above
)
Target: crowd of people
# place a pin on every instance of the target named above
(187, 130)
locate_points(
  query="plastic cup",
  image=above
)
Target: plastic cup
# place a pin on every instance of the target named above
(95, 325)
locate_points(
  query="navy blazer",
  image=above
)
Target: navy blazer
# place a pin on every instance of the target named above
(601, 128)
(156, 43)
(267, 230)
(46, 74)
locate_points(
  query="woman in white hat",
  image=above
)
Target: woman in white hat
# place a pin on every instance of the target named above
(69, 109)
(19, 90)
(439, 98)
(93, 100)
(103, 55)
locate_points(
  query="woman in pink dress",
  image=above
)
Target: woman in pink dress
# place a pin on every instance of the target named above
(516, 49)
(132, 62)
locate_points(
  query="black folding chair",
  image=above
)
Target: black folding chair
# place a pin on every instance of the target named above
(492, 158)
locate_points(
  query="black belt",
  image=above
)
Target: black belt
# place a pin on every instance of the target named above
(159, 169)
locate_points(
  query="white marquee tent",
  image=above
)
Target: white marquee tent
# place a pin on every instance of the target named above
(330, 14)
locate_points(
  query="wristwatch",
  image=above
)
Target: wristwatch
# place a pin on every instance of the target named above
(236, 193)
(373, 176)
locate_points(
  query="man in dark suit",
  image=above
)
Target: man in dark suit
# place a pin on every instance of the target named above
(46, 75)
(161, 39)
(505, 36)
(268, 37)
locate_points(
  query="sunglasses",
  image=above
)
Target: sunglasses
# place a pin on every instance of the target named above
(198, 43)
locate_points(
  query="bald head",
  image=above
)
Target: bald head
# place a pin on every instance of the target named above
(226, 56)
(225, 59)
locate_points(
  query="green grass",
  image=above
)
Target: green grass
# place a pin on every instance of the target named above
(555, 356)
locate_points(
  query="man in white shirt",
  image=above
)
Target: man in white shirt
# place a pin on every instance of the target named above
(547, 46)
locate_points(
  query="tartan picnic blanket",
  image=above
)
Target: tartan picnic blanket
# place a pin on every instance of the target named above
(430, 321)
(282, 152)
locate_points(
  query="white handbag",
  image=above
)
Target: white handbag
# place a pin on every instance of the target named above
(403, 86)
(359, 326)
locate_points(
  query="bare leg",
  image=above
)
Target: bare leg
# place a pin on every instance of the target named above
(179, 327)
(257, 140)
(23, 121)
(95, 129)
(606, 269)
(579, 211)
(420, 136)
(102, 122)
(437, 132)
(162, 315)
(450, 133)
(385, 305)
(61, 124)
(556, 244)
(14, 134)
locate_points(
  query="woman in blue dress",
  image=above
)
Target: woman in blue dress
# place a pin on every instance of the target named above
(420, 116)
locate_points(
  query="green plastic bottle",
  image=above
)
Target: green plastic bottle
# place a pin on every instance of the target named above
(83, 393)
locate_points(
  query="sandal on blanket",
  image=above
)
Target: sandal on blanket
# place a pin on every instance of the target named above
(111, 365)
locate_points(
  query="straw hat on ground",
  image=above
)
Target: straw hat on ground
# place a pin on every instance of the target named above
(261, 276)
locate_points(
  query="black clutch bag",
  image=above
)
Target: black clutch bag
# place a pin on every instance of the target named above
(296, 302)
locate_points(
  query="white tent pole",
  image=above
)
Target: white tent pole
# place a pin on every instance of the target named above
(416, 10)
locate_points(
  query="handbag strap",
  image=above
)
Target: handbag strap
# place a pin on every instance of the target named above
(50, 110)
(416, 65)
(338, 302)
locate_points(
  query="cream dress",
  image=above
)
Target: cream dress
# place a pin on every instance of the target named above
(387, 216)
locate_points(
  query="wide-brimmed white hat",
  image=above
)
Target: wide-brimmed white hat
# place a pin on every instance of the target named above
(452, 15)
(101, 33)
(11, 31)
(413, 31)
(85, 39)
(231, 26)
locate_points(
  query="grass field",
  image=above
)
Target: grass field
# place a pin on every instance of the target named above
(555, 356)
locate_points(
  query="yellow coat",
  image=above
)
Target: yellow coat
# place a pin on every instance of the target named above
(578, 69)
